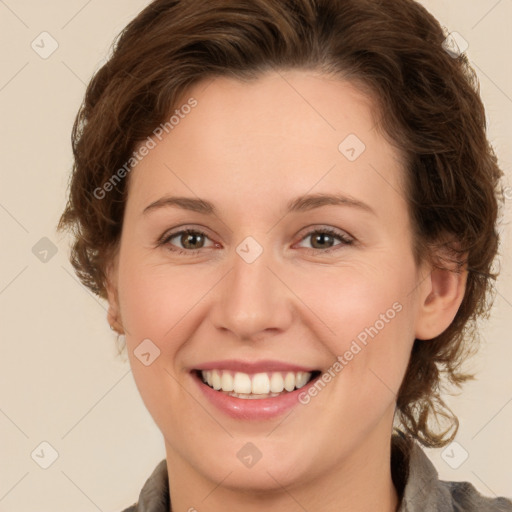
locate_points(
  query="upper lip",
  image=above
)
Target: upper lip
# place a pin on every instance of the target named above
(262, 366)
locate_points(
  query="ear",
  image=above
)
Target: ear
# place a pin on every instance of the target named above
(113, 314)
(441, 294)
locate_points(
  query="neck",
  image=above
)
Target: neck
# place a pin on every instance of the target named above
(362, 482)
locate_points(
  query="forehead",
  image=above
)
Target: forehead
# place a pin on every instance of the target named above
(286, 132)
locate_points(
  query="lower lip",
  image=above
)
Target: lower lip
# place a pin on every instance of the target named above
(252, 409)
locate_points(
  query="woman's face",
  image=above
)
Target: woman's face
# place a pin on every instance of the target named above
(260, 280)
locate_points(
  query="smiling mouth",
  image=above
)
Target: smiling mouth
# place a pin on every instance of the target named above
(255, 385)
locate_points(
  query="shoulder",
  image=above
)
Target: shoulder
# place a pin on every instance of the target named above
(422, 491)
(154, 496)
(466, 498)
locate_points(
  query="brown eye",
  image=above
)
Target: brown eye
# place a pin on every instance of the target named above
(190, 240)
(324, 239)
(186, 241)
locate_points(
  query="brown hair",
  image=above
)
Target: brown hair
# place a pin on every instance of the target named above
(430, 110)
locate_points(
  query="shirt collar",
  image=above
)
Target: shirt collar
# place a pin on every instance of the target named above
(422, 491)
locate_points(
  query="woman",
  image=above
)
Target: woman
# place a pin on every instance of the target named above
(290, 207)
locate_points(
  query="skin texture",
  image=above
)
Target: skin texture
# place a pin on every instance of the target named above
(250, 148)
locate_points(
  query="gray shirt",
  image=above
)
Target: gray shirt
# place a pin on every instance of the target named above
(414, 476)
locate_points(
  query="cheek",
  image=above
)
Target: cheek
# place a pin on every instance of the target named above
(352, 302)
(156, 304)
(157, 301)
(365, 317)
(372, 317)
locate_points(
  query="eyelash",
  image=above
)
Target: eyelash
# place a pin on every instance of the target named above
(164, 240)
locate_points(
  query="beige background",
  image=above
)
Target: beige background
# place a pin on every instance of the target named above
(60, 379)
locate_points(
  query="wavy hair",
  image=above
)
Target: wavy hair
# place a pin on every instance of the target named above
(429, 108)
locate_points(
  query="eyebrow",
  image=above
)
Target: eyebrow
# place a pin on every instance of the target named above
(299, 204)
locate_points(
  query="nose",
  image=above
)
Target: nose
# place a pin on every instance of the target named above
(253, 300)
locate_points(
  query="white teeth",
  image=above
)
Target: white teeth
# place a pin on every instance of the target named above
(241, 382)
(252, 397)
(260, 384)
(301, 379)
(227, 381)
(289, 382)
(247, 385)
(216, 380)
(276, 383)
